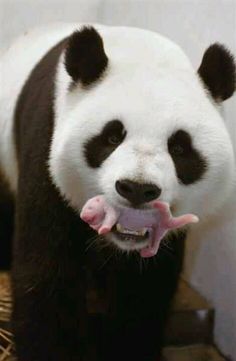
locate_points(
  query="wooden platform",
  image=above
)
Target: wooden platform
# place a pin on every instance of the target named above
(6, 345)
(191, 320)
(192, 353)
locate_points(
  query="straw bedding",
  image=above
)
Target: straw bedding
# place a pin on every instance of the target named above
(6, 344)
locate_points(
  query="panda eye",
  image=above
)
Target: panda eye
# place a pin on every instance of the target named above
(189, 163)
(179, 144)
(113, 133)
(114, 140)
(99, 147)
(177, 149)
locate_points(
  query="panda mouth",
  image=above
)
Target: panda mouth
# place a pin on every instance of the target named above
(130, 238)
(131, 235)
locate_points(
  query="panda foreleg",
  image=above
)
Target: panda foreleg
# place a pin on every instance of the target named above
(143, 297)
(49, 312)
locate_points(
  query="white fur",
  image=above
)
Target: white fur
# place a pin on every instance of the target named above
(152, 88)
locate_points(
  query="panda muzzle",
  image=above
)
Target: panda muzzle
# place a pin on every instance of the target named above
(153, 223)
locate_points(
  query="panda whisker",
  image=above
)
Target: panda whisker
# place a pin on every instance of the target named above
(165, 249)
(92, 242)
(145, 262)
(141, 264)
(167, 244)
(106, 261)
(101, 244)
(93, 238)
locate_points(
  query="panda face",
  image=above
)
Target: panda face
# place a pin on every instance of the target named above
(141, 133)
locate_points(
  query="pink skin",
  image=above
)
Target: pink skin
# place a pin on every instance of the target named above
(99, 215)
(102, 217)
(166, 223)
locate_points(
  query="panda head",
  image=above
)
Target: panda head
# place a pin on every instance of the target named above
(135, 122)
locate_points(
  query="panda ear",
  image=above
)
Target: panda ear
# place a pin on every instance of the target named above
(218, 72)
(85, 58)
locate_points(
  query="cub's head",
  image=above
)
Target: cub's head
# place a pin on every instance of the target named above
(135, 122)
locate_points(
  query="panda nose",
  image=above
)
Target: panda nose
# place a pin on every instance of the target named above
(137, 193)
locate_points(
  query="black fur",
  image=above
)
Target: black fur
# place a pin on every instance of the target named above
(6, 224)
(190, 165)
(218, 72)
(55, 278)
(99, 147)
(85, 58)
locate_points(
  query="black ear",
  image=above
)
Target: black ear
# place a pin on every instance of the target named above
(85, 58)
(218, 72)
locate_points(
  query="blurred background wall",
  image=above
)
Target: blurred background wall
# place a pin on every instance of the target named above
(193, 24)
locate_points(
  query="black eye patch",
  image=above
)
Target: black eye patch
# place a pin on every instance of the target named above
(99, 147)
(190, 165)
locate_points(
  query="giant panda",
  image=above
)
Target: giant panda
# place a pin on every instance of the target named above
(82, 108)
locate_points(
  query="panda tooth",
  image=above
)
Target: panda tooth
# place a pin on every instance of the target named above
(143, 231)
(121, 229)
(129, 231)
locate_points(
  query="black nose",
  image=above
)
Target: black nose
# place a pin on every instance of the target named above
(137, 193)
